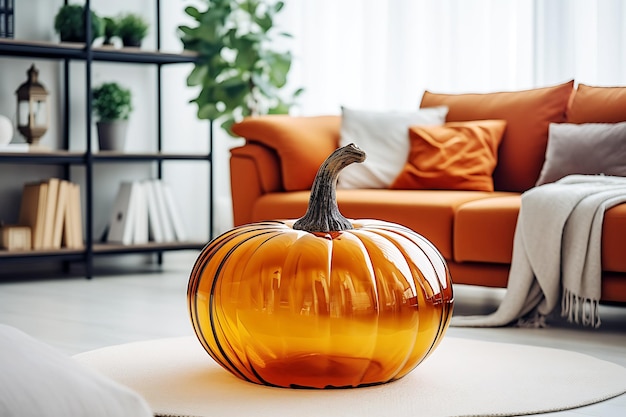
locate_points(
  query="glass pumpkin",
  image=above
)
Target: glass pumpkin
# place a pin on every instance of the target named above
(355, 303)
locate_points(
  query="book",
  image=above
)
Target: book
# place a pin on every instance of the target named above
(72, 236)
(76, 217)
(50, 208)
(173, 212)
(68, 239)
(155, 230)
(141, 232)
(60, 213)
(166, 224)
(15, 237)
(121, 224)
(32, 210)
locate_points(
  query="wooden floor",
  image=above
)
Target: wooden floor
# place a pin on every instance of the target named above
(76, 315)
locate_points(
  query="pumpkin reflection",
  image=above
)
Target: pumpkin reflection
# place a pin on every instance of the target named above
(290, 308)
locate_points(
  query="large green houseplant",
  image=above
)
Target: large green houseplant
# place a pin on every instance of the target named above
(238, 71)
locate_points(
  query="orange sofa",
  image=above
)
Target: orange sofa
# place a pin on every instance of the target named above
(271, 175)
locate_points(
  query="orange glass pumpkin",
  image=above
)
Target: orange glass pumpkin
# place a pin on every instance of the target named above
(323, 301)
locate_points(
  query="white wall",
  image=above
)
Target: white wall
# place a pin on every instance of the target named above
(182, 131)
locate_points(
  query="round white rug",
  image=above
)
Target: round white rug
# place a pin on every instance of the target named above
(462, 377)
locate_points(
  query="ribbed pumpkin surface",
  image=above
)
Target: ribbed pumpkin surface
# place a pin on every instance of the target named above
(290, 308)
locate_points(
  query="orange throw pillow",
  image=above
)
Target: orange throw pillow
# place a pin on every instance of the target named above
(455, 156)
(597, 105)
(528, 114)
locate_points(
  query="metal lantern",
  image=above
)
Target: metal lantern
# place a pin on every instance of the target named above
(33, 112)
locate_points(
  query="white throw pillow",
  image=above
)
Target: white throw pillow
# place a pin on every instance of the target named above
(384, 136)
(37, 380)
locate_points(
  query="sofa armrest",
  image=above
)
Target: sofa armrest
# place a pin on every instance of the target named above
(300, 143)
(254, 171)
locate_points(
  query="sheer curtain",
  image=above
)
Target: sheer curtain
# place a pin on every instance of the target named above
(382, 54)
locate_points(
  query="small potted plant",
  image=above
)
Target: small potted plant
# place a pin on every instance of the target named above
(112, 106)
(132, 28)
(110, 30)
(69, 23)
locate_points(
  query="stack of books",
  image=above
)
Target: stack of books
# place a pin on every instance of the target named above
(52, 210)
(145, 211)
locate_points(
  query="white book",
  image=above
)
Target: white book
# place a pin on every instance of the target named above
(155, 230)
(173, 212)
(141, 215)
(166, 224)
(121, 223)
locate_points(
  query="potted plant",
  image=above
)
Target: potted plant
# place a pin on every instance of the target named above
(132, 28)
(112, 106)
(69, 23)
(238, 70)
(110, 30)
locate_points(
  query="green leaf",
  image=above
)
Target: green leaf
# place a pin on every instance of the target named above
(227, 125)
(197, 75)
(280, 68)
(209, 112)
(249, 6)
(265, 22)
(193, 12)
(280, 108)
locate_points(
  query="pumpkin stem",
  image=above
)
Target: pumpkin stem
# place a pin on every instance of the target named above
(323, 215)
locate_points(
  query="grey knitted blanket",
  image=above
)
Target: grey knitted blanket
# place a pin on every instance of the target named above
(556, 254)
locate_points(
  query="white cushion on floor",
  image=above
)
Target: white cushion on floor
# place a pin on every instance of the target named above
(37, 380)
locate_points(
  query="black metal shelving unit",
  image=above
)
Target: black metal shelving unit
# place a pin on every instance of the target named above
(67, 52)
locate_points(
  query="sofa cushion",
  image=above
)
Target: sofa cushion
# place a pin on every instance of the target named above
(528, 114)
(384, 136)
(588, 148)
(597, 105)
(428, 212)
(456, 156)
(484, 229)
(302, 143)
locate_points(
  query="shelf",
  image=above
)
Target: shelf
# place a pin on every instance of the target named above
(100, 249)
(48, 50)
(109, 156)
(78, 51)
(52, 254)
(43, 157)
(75, 157)
(89, 158)
(109, 248)
(136, 55)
